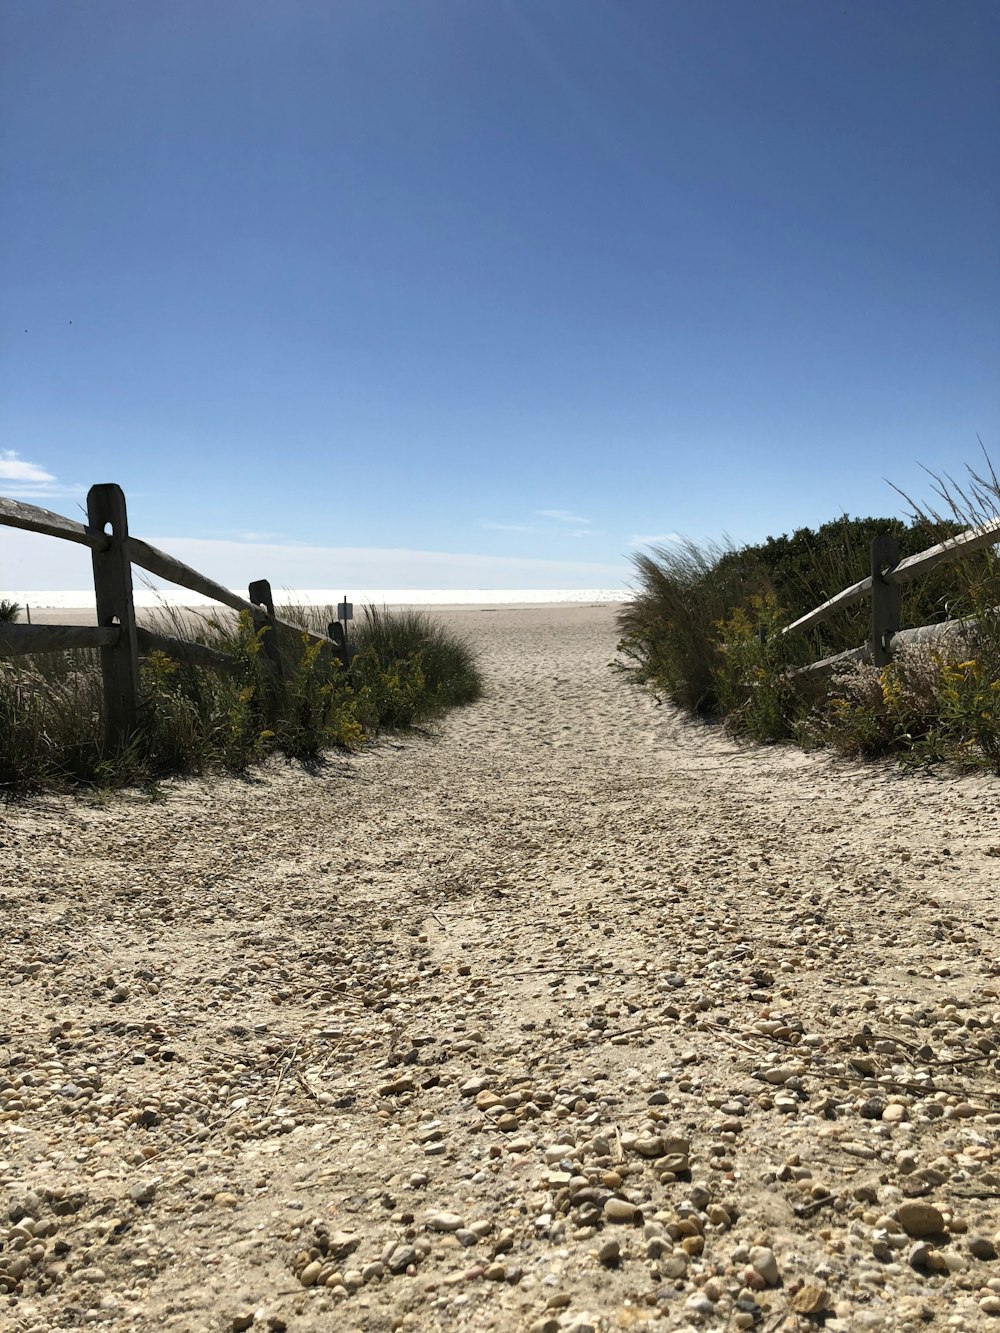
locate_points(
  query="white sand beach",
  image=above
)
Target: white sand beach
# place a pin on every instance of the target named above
(566, 1014)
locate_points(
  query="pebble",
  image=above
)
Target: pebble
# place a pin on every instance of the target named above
(610, 1253)
(919, 1219)
(762, 1261)
(619, 1210)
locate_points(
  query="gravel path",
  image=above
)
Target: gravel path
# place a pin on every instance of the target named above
(568, 1016)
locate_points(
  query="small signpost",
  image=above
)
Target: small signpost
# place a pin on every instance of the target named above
(337, 630)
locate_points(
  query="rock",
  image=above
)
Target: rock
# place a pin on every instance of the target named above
(558, 1300)
(310, 1274)
(648, 1145)
(342, 1243)
(919, 1219)
(762, 1261)
(401, 1258)
(397, 1087)
(620, 1210)
(143, 1192)
(990, 1305)
(918, 1256)
(981, 1247)
(609, 1253)
(810, 1299)
(445, 1222)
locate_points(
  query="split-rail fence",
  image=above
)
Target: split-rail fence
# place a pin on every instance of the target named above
(120, 640)
(882, 585)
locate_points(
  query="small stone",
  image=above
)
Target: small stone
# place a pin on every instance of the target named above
(143, 1192)
(341, 1243)
(620, 1210)
(762, 1261)
(472, 1086)
(919, 1219)
(810, 1299)
(445, 1222)
(649, 1145)
(224, 1199)
(397, 1087)
(919, 1255)
(557, 1152)
(310, 1274)
(401, 1258)
(609, 1253)
(990, 1305)
(495, 1272)
(558, 1300)
(981, 1247)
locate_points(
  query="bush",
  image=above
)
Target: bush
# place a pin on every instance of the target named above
(198, 719)
(704, 629)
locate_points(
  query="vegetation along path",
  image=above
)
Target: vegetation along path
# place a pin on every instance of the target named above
(570, 1015)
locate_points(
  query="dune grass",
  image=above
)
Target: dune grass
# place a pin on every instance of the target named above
(408, 669)
(704, 630)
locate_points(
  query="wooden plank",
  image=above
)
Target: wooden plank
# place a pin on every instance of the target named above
(946, 629)
(175, 571)
(825, 664)
(823, 612)
(113, 590)
(14, 514)
(16, 640)
(905, 638)
(184, 650)
(987, 534)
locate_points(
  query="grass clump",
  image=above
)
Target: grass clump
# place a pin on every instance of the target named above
(704, 630)
(196, 719)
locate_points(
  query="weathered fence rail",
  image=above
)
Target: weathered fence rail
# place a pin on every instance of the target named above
(120, 640)
(888, 574)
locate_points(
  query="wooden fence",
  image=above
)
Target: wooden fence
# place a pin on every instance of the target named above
(882, 585)
(119, 638)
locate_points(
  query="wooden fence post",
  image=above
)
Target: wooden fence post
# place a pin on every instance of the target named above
(259, 592)
(885, 598)
(113, 591)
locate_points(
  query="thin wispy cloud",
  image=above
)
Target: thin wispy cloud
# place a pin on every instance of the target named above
(15, 468)
(506, 527)
(28, 561)
(655, 539)
(561, 516)
(23, 480)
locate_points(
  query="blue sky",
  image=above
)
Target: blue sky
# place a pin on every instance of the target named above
(527, 281)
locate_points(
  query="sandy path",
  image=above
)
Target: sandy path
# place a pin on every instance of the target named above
(323, 1028)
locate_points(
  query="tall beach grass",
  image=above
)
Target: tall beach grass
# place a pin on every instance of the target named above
(407, 669)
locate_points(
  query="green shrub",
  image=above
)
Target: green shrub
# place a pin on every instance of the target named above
(704, 629)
